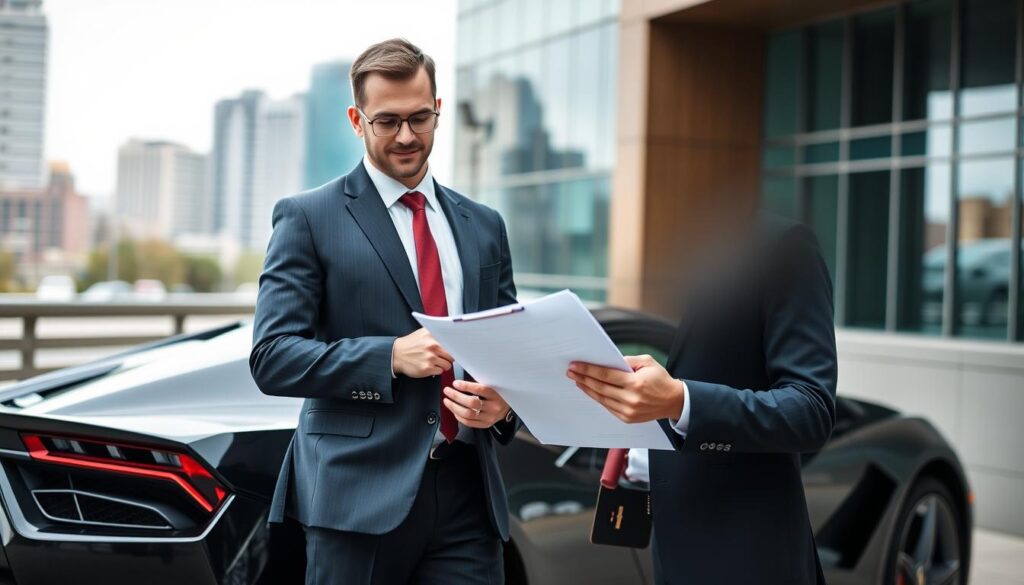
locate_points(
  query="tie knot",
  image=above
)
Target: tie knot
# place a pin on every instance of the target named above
(414, 200)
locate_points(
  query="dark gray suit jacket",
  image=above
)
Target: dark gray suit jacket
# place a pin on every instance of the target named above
(336, 290)
(757, 352)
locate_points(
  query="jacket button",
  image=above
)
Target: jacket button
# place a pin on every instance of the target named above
(355, 394)
(431, 418)
(376, 395)
(703, 446)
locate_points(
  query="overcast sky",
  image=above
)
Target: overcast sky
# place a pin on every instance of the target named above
(153, 69)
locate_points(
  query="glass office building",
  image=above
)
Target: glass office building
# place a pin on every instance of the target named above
(896, 134)
(535, 135)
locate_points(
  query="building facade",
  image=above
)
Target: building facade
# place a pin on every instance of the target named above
(535, 134)
(332, 149)
(23, 56)
(45, 225)
(259, 156)
(279, 160)
(892, 128)
(162, 190)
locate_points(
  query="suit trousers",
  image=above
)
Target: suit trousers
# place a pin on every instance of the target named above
(447, 538)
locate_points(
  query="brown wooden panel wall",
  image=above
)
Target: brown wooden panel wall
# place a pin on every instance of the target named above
(698, 150)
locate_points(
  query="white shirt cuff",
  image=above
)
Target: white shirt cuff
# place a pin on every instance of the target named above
(683, 424)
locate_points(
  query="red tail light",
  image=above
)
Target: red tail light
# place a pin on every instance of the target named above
(179, 468)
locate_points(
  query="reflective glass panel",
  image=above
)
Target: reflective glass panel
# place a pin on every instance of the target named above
(824, 84)
(782, 84)
(935, 141)
(821, 153)
(924, 219)
(989, 44)
(929, 30)
(868, 148)
(867, 249)
(984, 198)
(822, 201)
(778, 195)
(985, 136)
(873, 53)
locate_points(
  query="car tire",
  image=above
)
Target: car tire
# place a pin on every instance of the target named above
(928, 509)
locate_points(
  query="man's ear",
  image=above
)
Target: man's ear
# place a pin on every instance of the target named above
(438, 105)
(355, 119)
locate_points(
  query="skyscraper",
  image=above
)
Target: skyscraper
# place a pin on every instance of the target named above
(279, 161)
(161, 190)
(23, 53)
(232, 163)
(259, 156)
(332, 148)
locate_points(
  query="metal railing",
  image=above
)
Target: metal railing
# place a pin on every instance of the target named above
(29, 311)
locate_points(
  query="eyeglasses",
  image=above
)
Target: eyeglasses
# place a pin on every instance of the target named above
(389, 125)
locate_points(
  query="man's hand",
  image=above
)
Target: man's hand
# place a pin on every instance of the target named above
(419, 355)
(475, 405)
(647, 393)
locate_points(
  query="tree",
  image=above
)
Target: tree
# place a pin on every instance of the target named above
(202, 273)
(8, 271)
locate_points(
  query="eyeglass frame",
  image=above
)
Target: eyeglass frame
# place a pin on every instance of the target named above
(401, 121)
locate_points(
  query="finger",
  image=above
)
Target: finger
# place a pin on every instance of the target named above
(442, 363)
(468, 400)
(617, 377)
(475, 423)
(435, 348)
(615, 407)
(485, 392)
(460, 411)
(640, 361)
(604, 388)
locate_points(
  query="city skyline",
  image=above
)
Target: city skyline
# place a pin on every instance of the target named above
(166, 85)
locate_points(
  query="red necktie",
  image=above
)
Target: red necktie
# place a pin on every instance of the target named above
(435, 303)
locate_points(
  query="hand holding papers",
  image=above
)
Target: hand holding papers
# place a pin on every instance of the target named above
(523, 351)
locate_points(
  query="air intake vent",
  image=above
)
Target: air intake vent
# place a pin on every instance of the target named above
(80, 507)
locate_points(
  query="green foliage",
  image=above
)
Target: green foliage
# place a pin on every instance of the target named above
(202, 273)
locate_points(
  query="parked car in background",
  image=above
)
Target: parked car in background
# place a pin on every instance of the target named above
(107, 291)
(158, 466)
(150, 289)
(56, 287)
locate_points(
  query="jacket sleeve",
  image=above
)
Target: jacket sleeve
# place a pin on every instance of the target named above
(286, 358)
(797, 413)
(504, 431)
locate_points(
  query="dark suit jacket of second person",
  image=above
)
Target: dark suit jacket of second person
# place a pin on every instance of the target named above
(756, 349)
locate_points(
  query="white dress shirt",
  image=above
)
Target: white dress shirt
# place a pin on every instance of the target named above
(637, 468)
(451, 269)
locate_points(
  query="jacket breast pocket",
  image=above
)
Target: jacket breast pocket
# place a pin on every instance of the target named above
(338, 422)
(490, 271)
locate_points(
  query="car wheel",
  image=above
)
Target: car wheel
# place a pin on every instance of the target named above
(927, 545)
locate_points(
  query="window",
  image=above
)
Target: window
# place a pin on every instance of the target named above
(904, 162)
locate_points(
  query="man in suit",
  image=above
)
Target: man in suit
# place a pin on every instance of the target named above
(392, 470)
(749, 386)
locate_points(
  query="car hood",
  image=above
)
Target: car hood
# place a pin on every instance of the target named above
(183, 392)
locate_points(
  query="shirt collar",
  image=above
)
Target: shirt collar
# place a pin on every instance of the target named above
(391, 190)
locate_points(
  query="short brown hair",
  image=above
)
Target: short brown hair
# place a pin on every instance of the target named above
(395, 59)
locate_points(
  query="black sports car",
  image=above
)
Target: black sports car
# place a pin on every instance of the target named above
(157, 466)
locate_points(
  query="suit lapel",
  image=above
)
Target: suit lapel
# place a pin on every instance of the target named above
(464, 231)
(368, 209)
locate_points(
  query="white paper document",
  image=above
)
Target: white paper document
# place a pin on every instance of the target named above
(523, 351)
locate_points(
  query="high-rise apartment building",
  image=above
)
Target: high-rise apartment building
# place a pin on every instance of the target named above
(23, 57)
(332, 149)
(161, 190)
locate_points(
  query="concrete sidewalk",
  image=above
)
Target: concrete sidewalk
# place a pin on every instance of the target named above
(998, 559)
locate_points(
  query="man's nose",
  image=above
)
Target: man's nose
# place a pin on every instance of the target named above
(405, 133)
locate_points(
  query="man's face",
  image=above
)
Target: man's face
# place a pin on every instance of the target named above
(402, 156)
